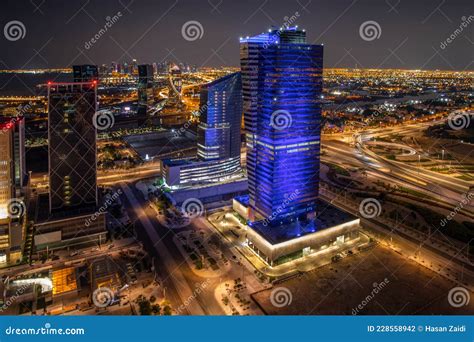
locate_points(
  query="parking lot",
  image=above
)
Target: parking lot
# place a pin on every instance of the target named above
(346, 287)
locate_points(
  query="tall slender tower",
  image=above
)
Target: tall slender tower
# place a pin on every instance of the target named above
(220, 120)
(72, 145)
(12, 182)
(145, 91)
(282, 86)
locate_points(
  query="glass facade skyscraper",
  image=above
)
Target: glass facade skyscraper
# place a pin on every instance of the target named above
(85, 73)
(282, 86)
(72, 146)
(145, 90)
(220, 118)
(218, 147)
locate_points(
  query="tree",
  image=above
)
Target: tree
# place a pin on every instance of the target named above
(145, 307)
(156, 309)
(167, 310)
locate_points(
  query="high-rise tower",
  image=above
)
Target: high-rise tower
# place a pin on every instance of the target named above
(282, 85)
(12, 183)
(72, 145)
(220, 118)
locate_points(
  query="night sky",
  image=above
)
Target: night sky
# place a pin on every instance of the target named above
(412, 31)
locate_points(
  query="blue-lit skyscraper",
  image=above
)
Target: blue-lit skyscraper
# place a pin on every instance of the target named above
(218, 147)
(282, 86)
(220, 118)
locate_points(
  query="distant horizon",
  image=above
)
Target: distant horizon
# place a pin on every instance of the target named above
(420, 34)
(237, 67)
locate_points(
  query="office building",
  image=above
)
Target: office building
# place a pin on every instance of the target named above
(217, 164)
(63, 217)
(13, 180)
(220, 119)
(282, 86)
(72, 146)
(145, 91)
(85, 73)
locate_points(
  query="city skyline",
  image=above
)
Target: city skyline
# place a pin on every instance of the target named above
(356, 33)
(157, 185)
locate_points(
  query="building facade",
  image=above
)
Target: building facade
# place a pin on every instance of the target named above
(282, 86)
(85, 73)
(72, 146)
(220, 119)
(218, 146)
(12, 185)
(145, 89)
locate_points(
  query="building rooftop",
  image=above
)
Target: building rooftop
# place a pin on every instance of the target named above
(104, 272)
(244, 200)
(179, 162)
(64, 280)
(328, 216)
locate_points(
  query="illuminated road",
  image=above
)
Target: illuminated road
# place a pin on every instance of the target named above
(444, 188)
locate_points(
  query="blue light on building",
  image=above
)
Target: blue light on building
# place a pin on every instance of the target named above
(282, 86)
(220, 119)
(218, 147)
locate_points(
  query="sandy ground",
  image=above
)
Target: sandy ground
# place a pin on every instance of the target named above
(347, 287)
